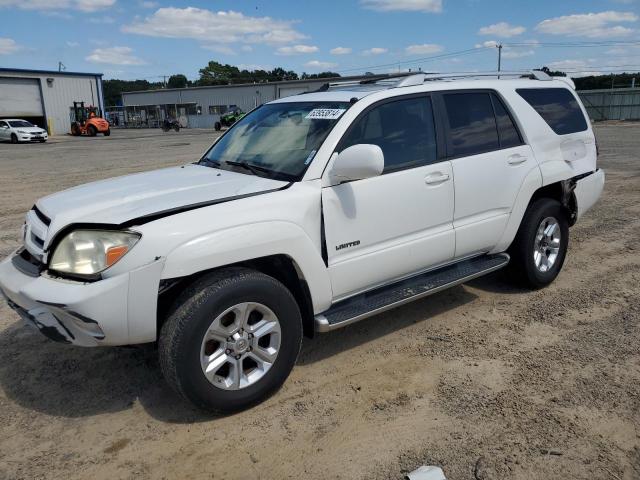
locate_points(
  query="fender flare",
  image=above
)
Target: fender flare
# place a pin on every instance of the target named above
(531, 183)
(239, 244)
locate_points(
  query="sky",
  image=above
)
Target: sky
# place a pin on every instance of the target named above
(151, 39)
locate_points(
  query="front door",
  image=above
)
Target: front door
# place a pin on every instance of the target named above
(384, 228)
(4, 130)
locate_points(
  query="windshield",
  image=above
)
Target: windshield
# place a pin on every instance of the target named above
(277, 140)
(20, 123)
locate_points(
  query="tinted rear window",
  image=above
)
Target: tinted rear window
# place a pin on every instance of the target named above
(472, 125)
(558, 107)
(509, 135)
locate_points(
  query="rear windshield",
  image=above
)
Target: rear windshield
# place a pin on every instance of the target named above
(20, 123)
(558, 107)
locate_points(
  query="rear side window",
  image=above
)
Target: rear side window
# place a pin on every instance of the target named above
(507, 130)
(472, 124)
(558, 107)
(403, 129)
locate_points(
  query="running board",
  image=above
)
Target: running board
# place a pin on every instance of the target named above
(391, 296)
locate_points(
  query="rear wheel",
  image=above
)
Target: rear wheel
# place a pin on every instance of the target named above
(176, 127)
(107, 132)
(231, 340)
(14, 138)
(217, 126)
(75, 130)
(540, 247)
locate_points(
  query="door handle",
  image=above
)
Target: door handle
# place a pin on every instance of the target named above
(516, 159)
(436, 178)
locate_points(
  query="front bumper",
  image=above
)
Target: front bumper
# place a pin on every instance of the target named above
(119, 310)
(33, 138)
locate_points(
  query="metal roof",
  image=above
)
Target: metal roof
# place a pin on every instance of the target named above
(49, 72)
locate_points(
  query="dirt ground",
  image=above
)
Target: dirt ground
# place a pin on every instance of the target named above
(485, 380)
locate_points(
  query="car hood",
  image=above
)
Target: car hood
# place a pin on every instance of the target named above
(30, 129)
(121, 200)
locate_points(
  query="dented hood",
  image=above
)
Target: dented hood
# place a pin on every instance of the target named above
(120, 200)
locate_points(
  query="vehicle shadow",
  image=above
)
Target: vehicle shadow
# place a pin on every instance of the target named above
(498, 282)
(74, 382)
(422, 311)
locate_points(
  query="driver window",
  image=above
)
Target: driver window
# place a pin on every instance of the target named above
(403, 129)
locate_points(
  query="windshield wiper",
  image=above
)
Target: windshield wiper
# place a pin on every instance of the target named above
(253, 168)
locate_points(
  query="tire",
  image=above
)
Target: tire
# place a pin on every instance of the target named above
(535, 262)
(75, 130)
(176, 128)
(208, 302)
(107, 132)
(14, 138)
(42, 141)
(91, 131)
(217, 126)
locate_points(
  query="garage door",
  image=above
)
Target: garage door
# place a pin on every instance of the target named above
(20, 97)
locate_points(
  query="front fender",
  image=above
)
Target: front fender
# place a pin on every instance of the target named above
(251, 241)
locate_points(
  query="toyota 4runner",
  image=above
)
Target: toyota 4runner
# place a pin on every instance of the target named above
(311, 213)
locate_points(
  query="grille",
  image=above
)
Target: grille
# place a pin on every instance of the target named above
(36, 230)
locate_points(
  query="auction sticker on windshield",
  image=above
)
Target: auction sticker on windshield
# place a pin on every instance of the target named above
(325, 113)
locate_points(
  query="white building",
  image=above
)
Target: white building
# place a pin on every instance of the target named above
(46, 98)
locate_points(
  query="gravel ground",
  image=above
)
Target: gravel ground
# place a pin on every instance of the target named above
(485, 380)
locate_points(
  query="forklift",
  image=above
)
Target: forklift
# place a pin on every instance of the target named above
(87, 121)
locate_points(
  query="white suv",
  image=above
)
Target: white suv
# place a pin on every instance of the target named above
(309, 214)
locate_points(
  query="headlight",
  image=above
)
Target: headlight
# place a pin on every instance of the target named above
(22, 131)
(88, 252)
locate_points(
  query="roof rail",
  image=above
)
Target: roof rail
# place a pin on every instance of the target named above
(408, 79)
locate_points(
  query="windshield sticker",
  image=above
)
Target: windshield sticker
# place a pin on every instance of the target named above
(310, 157)
(326, 113)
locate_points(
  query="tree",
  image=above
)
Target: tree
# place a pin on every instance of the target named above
(177, 81)
(553, 73)
(113, 89)
(309, 76)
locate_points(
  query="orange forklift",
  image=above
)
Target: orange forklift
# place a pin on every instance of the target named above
(87, 121)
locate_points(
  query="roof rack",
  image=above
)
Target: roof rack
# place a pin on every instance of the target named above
(408, 79)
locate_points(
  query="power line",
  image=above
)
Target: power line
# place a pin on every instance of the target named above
(469, 51)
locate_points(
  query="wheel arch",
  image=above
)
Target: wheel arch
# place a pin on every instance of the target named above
(282, 267)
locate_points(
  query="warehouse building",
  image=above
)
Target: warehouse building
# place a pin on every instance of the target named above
(45, 98)
(202, 107)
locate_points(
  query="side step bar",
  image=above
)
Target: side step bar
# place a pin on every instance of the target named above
(391, 296)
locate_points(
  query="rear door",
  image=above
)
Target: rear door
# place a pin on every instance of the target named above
(4, 130)
(383, 228)
(490, 161)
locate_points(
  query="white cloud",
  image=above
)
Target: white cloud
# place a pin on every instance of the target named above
(114, 56)
(318, 64)
(502, 30)
(82, 5)
(592, 25)
(222, 27)
(246, 48)
(427, 6)
(224, 49)
(487, 44)
(104, 20)
(424, 49)
(340, 51)
(375, 51)
(8, 46)
(511, 53)
(296, 50)
(148, 4)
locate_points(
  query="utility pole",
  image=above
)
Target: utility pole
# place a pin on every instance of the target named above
(499, 47)
(61, 67)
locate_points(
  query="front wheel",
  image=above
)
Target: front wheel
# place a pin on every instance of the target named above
(14, 138)
(217, 126)
(540, 246)
(91, 130)
(176, 127)
(107, 132)
(231, 340)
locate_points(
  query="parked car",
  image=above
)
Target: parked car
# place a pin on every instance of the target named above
(309, 214)
(15, 130)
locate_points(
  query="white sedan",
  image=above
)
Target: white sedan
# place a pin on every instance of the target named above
(15, 130)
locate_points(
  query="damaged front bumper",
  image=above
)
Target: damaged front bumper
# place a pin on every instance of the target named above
(118, 310)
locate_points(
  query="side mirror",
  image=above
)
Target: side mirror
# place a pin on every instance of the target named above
(357, 163)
